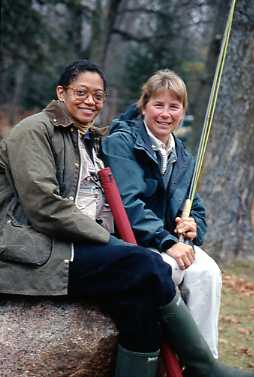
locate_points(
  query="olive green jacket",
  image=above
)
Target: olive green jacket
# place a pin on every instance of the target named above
(39, 221)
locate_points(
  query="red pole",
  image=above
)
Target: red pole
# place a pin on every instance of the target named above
(171, 363)
(115, 202)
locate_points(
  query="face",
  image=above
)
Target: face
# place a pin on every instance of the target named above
(84, 97)
(163, 113)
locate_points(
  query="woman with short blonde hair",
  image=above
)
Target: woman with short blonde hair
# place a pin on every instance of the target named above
(154, 170)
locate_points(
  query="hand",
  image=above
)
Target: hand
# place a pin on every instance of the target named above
(183, 254)
(187, 227)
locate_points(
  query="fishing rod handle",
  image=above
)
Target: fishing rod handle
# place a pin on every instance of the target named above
(186, 208)
(185, 213)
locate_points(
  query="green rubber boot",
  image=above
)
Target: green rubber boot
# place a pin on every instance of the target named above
(135, 364)
(183, 335)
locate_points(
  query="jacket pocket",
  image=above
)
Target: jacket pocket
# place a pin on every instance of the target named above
(22, 244)
(105, 218)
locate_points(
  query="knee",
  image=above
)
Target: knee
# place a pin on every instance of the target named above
(158, 275)
(156, 265)
(204, 268)
(211, 272)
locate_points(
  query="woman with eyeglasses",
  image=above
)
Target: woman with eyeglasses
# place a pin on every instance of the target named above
(56, 232)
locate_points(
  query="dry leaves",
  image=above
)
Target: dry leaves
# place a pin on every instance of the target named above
(230, 319)
(239, 285)
(239, 323)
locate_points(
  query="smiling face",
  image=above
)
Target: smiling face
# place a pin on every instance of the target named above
(163, 113)
(84, 97)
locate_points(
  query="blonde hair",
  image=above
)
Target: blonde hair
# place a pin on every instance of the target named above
(160, 80)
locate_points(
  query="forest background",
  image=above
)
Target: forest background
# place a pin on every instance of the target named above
(131, 39)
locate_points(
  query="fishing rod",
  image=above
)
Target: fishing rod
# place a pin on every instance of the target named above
(209, 115)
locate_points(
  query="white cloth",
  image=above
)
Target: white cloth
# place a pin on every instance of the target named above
(163, 149)
(90, 198)
(200, 287)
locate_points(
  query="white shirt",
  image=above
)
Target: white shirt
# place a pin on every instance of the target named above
(162, 148)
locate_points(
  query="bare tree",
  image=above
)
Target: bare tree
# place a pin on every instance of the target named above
(103, 21)
(110, 32)
(213, 36)
(228, 183)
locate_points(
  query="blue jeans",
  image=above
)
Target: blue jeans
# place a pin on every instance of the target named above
(130, 282)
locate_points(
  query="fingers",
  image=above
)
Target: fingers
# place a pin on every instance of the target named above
(183, 254)
(186, 260)
(191, 235)
(186, 227)
(183, 263)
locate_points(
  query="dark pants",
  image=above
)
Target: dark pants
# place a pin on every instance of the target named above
(130, 282)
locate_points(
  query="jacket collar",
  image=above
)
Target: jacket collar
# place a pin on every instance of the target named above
(59, 117)
(143, 140)
(183, 165)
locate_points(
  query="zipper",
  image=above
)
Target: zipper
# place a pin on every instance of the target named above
(77, 190)
(80, 171)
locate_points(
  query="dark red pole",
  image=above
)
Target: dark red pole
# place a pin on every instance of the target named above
(115, 202)
(171, 363)
(112, 195)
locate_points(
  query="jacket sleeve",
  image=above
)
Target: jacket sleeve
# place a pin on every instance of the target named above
(198, 213)
(33, 172)
(149, 230)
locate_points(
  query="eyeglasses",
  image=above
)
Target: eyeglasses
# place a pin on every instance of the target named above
(81, 94)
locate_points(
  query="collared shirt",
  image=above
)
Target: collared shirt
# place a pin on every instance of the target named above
(167, 151)
(90, 198)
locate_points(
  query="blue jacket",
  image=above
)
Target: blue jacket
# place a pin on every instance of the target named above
(151, 207)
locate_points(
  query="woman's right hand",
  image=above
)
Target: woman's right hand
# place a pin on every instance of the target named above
(183, 254)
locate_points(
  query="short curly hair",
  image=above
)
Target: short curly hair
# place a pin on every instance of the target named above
(72, 71)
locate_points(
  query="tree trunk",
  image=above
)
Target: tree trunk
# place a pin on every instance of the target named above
(214, 38)
(20, 74)
(228, 182)
(103, 21)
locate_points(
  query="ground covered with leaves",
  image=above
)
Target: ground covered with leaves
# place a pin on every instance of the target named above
(237, 315)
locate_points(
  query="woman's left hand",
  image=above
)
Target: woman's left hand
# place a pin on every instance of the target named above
(186, 227)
